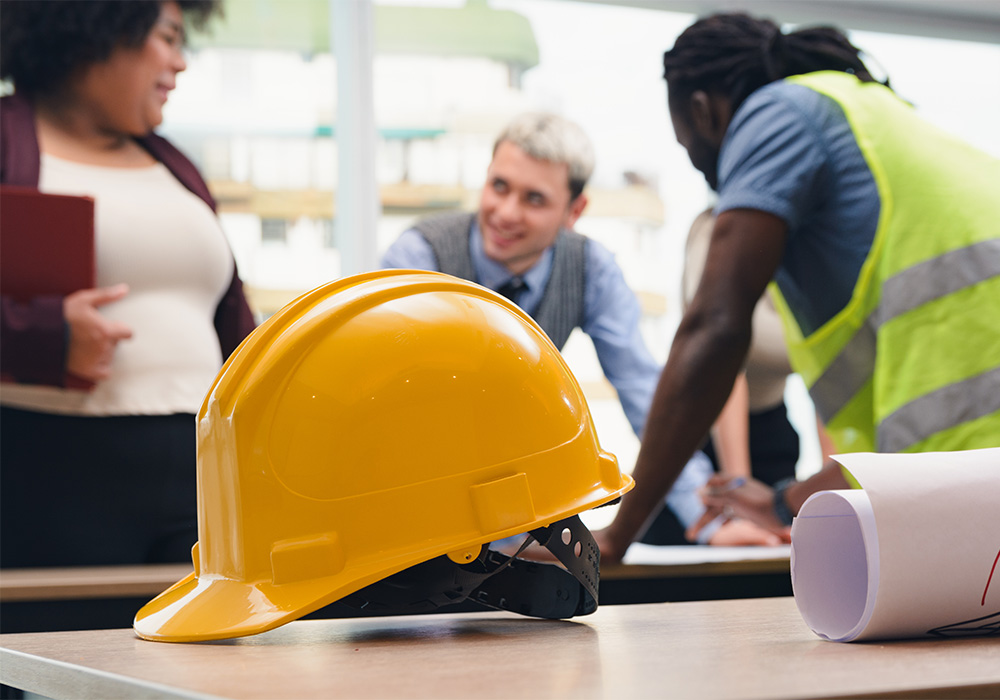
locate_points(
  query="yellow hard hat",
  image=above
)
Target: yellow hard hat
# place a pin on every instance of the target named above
(365, 444)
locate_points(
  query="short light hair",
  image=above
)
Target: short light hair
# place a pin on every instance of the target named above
(554, 139)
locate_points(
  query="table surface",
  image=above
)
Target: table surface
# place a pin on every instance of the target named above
(758, 648)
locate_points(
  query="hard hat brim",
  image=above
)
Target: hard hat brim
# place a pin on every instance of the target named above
(204, 609)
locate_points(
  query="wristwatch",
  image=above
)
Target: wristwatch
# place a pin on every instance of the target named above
(781, 509)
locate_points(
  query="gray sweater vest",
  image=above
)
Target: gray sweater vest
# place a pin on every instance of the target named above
(561, 308)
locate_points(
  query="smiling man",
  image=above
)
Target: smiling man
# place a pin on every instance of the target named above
(521, 243)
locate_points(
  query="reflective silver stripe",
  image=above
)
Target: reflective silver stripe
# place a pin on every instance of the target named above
(846, 375)
(906, 290)
(939, 410)
(938, 277)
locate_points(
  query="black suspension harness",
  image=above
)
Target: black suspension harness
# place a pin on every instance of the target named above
(498, 581)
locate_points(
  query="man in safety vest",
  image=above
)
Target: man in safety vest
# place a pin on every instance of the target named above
(878, 234)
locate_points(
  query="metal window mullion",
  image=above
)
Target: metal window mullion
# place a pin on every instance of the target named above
(352, 32)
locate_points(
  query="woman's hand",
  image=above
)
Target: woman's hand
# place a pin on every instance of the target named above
(752, 500)
(93, 338)
(743, 533)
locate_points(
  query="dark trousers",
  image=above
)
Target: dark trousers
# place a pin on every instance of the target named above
(95, 491)
(774, 451)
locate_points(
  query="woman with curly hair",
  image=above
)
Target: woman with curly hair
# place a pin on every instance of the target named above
(107, 476)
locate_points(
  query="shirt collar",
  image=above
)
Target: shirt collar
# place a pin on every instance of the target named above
(492, 274)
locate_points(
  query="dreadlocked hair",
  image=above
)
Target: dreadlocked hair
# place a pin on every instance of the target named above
(734, 54)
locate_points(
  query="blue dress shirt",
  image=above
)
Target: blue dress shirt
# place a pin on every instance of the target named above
(611, 311)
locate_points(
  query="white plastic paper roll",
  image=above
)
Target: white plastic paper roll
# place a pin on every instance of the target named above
(913, 554)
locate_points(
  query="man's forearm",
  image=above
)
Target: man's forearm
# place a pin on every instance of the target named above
(707, 353)
(829, 477)
(704, 361)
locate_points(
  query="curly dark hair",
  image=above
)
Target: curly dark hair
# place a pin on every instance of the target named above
(42, 43)
(733, 54)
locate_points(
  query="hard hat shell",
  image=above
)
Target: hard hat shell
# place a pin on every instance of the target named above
(373, 424)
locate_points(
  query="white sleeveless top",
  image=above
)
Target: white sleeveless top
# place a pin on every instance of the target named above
(767, 366)
(167, 245)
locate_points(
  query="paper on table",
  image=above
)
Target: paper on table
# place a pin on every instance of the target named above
(913, 554)
(639, 553)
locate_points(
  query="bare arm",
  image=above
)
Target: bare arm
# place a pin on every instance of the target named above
(731, 432)
(705, 357)
(826, 446)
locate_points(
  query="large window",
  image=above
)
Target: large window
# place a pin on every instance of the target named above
(258, 110)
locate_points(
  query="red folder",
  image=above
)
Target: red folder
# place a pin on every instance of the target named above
(46, 246)
(46, 243)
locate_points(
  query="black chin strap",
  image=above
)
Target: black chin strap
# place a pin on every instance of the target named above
(498, 581)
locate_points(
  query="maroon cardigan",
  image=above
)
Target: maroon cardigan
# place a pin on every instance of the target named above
(34, 334)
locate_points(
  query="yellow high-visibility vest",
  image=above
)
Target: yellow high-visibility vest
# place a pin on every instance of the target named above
(912, 362)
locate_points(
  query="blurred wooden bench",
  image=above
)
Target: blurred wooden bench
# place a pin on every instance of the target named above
(87, 582)
(77, 598)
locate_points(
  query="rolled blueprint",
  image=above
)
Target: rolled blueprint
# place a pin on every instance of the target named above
(913, 553)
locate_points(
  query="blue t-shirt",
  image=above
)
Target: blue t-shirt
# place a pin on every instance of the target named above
(790, 151)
